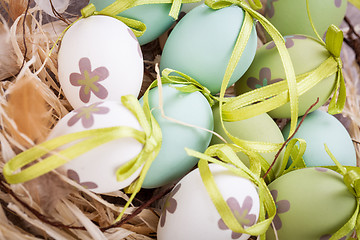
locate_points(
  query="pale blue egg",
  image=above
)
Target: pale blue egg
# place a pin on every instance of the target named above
(172, 162)
(155, 16)
(201, 44)
(319, 128)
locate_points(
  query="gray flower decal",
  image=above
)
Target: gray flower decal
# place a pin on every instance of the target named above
(338, 3)
(282, 206)
(88, 80)
(264, 79)
(328, 236)
(85, 114)
(289, 41)
(269, 10)
(241, 214)
(170, 205)
(73, 175)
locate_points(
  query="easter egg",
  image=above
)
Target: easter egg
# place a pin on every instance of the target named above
(306, 55)
(154, 16)
(291, 17)
(201, 44)
(99, 59)
(312, 203)
(172, 161)
(96, 168)
(261, 128)
(189, 213)
(321, 128)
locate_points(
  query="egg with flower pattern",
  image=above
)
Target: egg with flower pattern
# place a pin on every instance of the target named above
(312, 204)
(189, 213)
(291, 17)
(96, 168)
(306, 54)
(97, 63)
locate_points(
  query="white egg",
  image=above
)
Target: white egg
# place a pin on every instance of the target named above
(189, 213)
(96, 168)
(99, 59)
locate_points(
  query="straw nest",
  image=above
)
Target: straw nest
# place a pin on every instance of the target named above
(31, 102)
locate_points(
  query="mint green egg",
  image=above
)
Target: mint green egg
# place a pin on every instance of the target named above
(261, 128)
(306, 55)
(312, 204)
(201, 44)
(321, 128)
(155, 16)
(172, 162)
(291, 17)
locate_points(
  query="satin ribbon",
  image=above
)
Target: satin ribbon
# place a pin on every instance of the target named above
(84, 141)
(229, 160)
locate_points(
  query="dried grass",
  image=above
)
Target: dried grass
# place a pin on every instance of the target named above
(82, 214)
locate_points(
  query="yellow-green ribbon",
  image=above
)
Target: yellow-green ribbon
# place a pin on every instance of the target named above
(229, 160)
(84, 141)
(356, 3)
(333, 43)
(352, 181)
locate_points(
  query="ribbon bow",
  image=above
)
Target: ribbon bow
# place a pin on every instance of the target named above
(230, 161)
(84, 141)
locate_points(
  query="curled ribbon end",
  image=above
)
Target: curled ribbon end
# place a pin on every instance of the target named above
(88, 11)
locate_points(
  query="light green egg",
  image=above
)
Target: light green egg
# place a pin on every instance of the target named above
(201, 44)
(291, 17)
(155, 16)
(312, 204)
(172, 162)
(319, 128)
(306, 54)
(187, 7)
(260, 128)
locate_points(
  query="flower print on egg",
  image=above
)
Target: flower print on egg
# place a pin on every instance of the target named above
(241, 214)
(320, 169)
(170, 205)
(134, 37)
(264, 79)
(282, 206)
(73, 175)
(269, 10)
(338, 3)
(289, 41)
(88, 80)
(86, 114)
(328, 236)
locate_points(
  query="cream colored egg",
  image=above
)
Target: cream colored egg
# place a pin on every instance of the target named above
(99, 59)
(96, 168)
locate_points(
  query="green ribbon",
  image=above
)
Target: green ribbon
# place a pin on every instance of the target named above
(229, 160)
(84, 141)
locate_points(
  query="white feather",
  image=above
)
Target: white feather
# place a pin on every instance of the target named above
(59, 5)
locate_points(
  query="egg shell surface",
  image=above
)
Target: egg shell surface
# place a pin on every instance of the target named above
(261, 128)
(99, 59)
(291, 17)
(189, 212)
(321, 128)
(201, 44)
(311, 204)
(96, 168)
(172, 161)
(187, 7)
(306, 54)
(154, 16)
